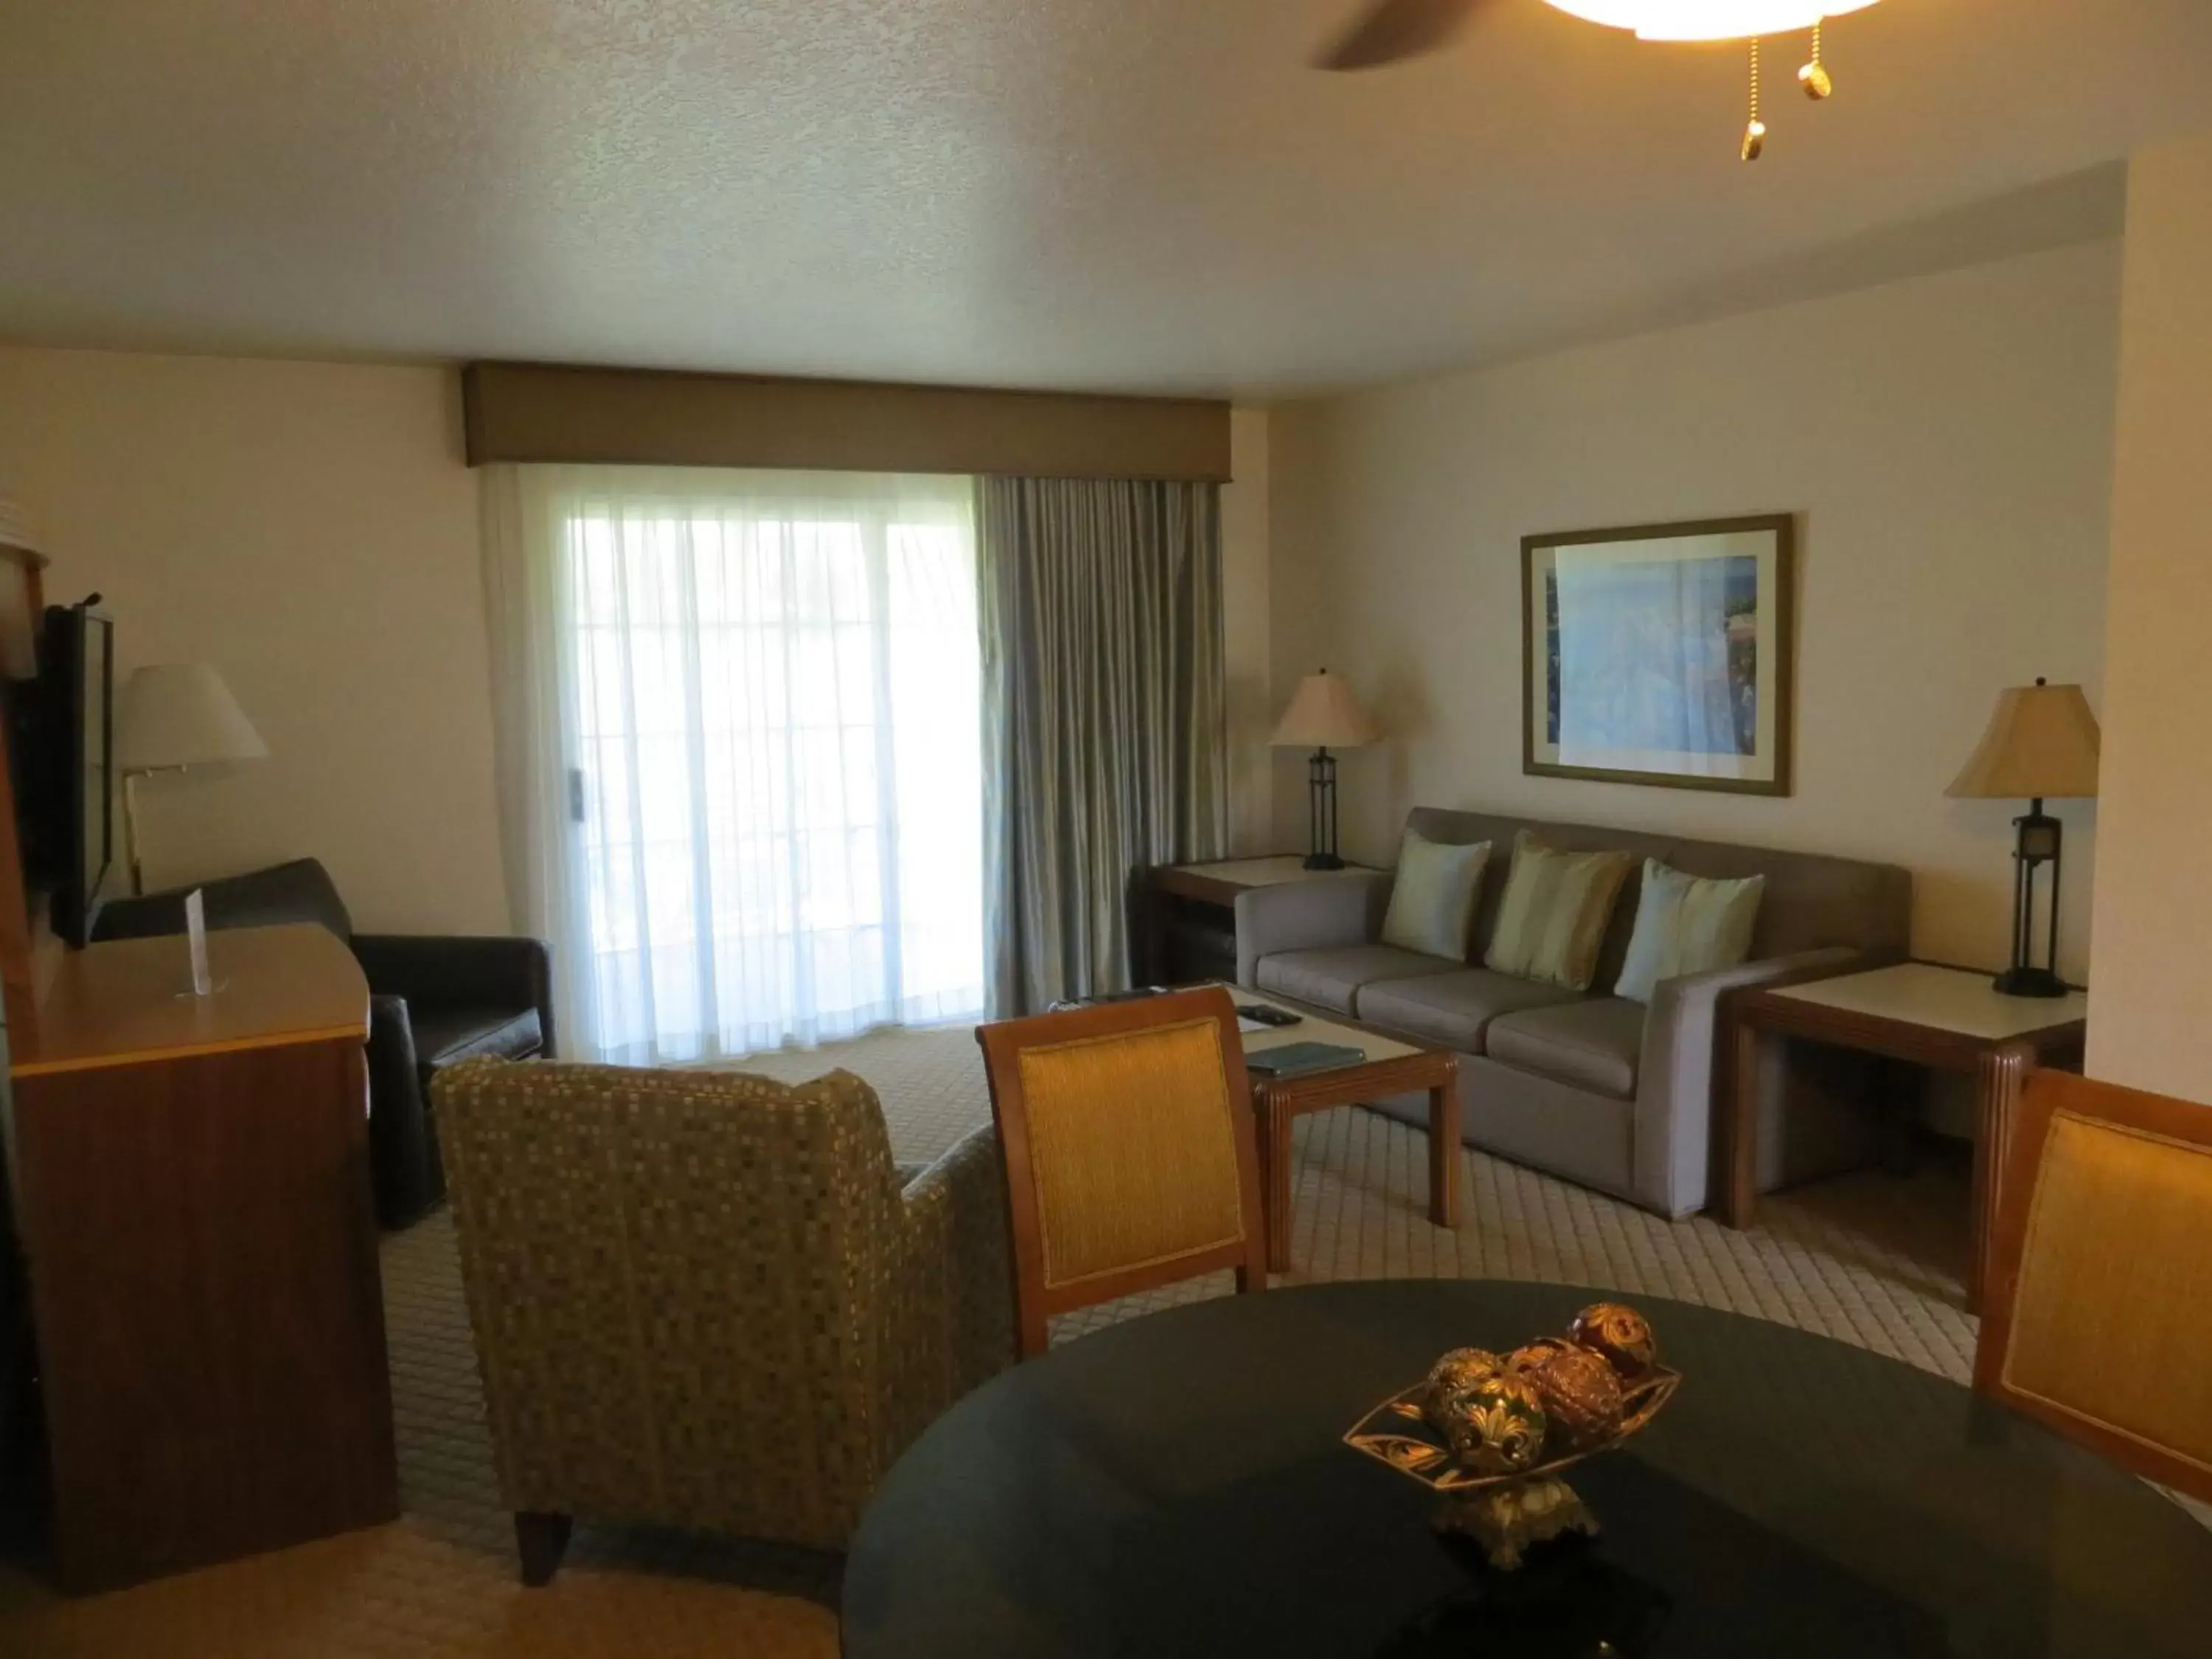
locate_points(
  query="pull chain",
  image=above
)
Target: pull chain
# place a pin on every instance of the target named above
(1754, 134)
(1814, 76)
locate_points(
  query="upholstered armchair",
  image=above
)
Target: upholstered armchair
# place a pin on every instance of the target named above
(708, 1300)
(433, 1001)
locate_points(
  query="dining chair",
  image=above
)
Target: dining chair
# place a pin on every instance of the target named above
(1130, 1152)
(2093, 1320)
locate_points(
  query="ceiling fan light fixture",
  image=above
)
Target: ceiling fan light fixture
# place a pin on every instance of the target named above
(1707, 19)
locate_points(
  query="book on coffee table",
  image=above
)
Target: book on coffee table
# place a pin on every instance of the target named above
(1293, 1057)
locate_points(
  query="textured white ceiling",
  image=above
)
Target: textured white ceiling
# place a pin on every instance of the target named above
(1122, 194)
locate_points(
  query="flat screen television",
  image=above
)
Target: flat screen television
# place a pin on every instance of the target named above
(65, 769)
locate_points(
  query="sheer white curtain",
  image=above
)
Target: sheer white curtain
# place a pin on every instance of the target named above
(740, 744)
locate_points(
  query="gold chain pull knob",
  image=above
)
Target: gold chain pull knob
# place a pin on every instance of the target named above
(1754, 131)
(1814, 76)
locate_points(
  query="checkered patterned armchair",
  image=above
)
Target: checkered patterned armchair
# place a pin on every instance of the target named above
(710, 1300)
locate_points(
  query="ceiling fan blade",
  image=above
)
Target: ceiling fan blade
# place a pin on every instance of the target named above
(1394, 30)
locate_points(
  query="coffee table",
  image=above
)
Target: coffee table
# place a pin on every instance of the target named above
(1391, 1068)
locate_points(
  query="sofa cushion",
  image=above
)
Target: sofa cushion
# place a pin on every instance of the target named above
(1453, 1009)
(1686, 924)
(1551, 924)
(447, 1036)
(1332, 978)
(1592, 1043)
(1432, 897)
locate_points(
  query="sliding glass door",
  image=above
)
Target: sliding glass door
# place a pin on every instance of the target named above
(771, 685)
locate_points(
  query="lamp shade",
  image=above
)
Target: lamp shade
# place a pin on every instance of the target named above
(1324, 715)
(2042, 742)
(181, 714)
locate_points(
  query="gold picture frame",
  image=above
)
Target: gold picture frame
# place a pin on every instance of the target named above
(1662, 654)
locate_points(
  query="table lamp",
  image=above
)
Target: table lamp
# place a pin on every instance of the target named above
(1326, 714)
(2041, 743)
(173, 716)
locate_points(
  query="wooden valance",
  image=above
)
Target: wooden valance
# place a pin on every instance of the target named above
(651, 417)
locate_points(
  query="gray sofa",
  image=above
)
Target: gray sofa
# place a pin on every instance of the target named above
(1605, 1092)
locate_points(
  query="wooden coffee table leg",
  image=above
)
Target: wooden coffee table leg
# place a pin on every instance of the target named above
(1275, 1162)
(1443, 1151)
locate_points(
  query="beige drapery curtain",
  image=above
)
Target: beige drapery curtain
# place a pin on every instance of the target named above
(1104, 718)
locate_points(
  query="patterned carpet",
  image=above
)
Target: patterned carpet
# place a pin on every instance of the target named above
(1873, 1259)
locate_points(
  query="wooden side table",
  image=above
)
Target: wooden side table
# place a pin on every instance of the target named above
(1190, 913)
(1945, 1017)
(1391, 1068)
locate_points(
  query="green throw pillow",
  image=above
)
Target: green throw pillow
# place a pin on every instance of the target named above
(1686, 924)
(1432, 900)
(1550, 922)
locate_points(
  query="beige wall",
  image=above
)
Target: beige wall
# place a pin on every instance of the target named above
(1948, 441)
(1244, 585)
(2153, 963)
(310, 529)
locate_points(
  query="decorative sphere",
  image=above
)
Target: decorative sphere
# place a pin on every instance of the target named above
(1460, 1369)
(1621, 1335)
(1530, 1356)
(1498, 1426)
(1449, 1378)
(1581, 1396)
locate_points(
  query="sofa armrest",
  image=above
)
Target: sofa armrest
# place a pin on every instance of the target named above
(1674, 1076)
(438, 972)
(1326, 912)
(953, 1312)
(398, 1130)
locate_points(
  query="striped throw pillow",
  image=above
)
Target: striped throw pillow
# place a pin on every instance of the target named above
(1686, 924)
(1550, 922)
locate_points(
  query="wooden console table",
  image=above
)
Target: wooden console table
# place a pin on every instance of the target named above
(1189, 935)
(193, 1192)
(1944, 1018)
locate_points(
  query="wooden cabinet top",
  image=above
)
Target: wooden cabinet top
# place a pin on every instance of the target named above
(1219, 882)
(129, 1000)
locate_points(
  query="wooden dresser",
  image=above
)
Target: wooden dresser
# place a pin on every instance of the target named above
(194, 1208)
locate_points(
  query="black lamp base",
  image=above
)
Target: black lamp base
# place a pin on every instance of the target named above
(2029, 982)
(1321, 821)
(2037, 843)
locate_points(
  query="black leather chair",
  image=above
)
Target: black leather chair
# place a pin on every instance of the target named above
(433, 1001)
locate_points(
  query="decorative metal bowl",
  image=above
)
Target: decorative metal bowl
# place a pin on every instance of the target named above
(1503, 1513)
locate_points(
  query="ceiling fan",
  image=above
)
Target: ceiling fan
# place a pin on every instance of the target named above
(1391, 31)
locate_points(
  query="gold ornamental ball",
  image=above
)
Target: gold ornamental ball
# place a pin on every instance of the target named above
(1622, 1335)
(1531, 1355)
(1462, 1368)
(1498, 1426)
(1581, 1396)
(1451, 1377)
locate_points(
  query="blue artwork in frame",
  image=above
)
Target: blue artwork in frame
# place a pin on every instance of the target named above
(1660, 654)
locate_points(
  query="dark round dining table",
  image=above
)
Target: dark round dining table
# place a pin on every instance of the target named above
(1177, 1485)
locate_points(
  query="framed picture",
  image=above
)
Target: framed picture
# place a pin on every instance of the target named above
(1660, 654)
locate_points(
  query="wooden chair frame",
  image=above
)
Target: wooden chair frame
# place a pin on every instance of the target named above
(1003, 1043)
(2049, 1093)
